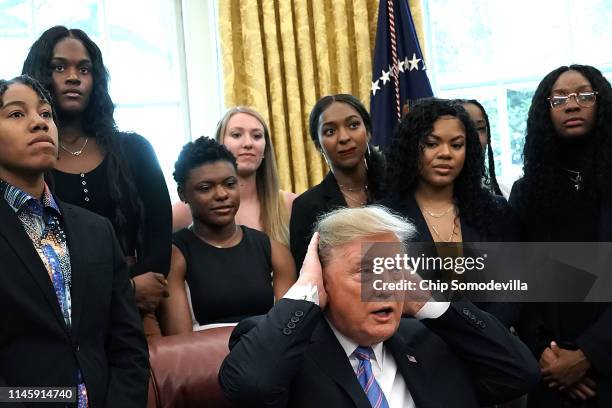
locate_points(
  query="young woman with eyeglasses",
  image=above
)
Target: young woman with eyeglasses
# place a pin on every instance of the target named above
(565, 196)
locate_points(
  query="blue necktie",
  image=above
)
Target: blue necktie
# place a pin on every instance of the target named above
(366, 378)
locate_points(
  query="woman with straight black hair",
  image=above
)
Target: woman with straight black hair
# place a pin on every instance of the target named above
(565, 196)
(112, 173)
(340, 128)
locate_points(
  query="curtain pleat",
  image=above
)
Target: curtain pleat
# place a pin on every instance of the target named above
(281, 56)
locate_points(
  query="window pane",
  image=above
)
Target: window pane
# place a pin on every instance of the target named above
(518, 107)
(14, 36)
(458, 58)
(142, 51)
(533, 38)
(84, 14)
(14, 18)
(139, 43)
(162, 126)
(498, 51)
(592, 32)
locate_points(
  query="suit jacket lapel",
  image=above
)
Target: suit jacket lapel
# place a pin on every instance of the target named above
(330, 357)
(408, 207)
(469, 234)
(408, 364)
(332, 193)
(19, 240)
(74, 240)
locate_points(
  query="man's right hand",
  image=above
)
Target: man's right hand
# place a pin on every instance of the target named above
(150, 287)
(312, 272)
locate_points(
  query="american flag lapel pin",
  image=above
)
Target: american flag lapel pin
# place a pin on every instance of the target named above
(411, 358)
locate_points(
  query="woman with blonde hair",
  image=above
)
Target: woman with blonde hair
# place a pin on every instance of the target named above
(263, 205)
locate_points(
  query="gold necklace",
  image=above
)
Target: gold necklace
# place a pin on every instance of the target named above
(439, 215)
(224, 244)
(435, 230)
(450, 239)
(78, 152)
(354, 200)
(346, 188)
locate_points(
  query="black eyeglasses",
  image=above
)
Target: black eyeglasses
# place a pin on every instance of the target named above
(584, 99)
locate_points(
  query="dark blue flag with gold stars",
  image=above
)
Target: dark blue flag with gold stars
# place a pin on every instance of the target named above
(398, 73)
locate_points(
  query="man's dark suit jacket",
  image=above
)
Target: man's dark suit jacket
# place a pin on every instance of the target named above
(307, 207)
(539, 323)
(105, 342)
(291, 358)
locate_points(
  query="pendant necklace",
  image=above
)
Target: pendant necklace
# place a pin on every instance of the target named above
(452, 234)
(577, 179)
(78, 152)
(345, 192)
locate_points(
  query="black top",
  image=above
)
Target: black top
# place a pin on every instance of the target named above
(91, 191)
(502, 228)
(587, 326)
(307, 207)
(580, 223)
(228, 284)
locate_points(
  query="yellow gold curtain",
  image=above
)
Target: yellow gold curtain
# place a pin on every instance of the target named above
(281, 56)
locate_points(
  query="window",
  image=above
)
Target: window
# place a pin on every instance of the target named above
(148, 56)
(498, 51)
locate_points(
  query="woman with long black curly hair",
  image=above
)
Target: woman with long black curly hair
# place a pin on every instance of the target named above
(340, 127)
(112, 173)
(565, 196)
(435, 177)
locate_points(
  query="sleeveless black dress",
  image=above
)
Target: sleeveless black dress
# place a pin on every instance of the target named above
(228, 284)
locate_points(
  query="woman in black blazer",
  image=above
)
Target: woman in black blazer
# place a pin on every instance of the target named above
(435, 178)
(340, 127)
(435, 173)
(565, 195)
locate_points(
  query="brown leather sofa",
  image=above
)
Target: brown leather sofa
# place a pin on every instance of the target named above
(184, 369)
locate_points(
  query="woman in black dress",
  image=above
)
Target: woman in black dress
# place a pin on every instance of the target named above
(232, 271)
(340, 127)
(564, 196)
(112, 173)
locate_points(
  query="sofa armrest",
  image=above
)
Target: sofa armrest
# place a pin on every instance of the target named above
(185, 368)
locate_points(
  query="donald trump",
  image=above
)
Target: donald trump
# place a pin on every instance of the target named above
(328, 344)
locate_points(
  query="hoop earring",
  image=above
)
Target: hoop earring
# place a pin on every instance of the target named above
(326, 160)
(369, 154)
